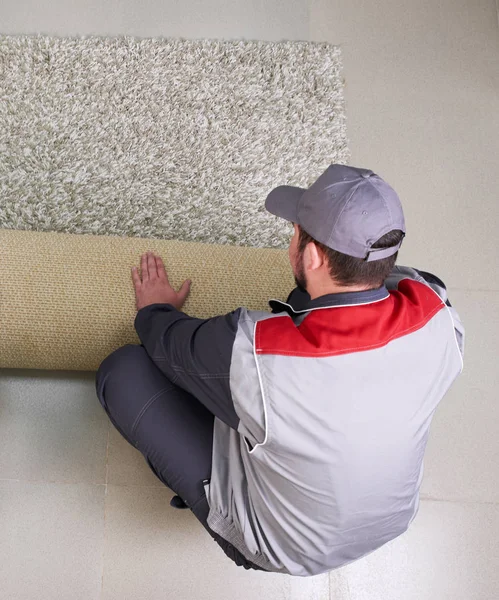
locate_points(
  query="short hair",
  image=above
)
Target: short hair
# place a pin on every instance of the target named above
(350, 271)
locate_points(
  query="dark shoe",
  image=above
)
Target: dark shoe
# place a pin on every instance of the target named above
(177, 502)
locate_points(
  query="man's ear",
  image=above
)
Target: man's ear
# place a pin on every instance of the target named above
(314, 258)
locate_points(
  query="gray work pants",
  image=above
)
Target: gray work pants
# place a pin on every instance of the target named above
(171, 428)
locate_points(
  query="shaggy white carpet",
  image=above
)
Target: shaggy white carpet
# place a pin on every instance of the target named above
(163, 138)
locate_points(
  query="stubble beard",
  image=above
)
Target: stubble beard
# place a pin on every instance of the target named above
(300, 277)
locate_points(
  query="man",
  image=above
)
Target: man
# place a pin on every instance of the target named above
(296, 437)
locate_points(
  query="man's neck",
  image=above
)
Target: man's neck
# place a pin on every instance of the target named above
(316, 291)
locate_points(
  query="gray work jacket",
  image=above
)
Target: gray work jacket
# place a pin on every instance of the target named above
(323, 410)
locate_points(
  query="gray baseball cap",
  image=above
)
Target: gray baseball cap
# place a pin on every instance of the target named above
(346, 209)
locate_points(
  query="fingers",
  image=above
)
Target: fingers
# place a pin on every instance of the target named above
(144, 268)
(148, 266)
(136, 278)
(153, 268)
(184, 290)
(151, 265)
(162, 274)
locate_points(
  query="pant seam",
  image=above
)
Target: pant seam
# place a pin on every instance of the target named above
(147, 405)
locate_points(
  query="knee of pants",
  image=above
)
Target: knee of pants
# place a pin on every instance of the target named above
(121, 360)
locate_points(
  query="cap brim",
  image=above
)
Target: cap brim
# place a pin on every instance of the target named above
(283, 202)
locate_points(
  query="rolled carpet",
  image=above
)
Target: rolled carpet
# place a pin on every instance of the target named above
(67, 301)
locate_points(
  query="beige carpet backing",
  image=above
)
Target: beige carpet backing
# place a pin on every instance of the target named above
(67, 301)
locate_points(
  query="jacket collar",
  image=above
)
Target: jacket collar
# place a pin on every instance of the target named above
(300, 302)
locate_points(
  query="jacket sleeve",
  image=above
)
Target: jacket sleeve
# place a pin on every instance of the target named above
(195, 354)
(438, 286)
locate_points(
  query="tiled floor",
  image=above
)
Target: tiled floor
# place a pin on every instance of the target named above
(81, 515)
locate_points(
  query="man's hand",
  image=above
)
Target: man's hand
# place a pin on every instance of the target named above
(154, 287)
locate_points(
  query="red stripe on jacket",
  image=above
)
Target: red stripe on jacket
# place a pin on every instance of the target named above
(345, 329)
